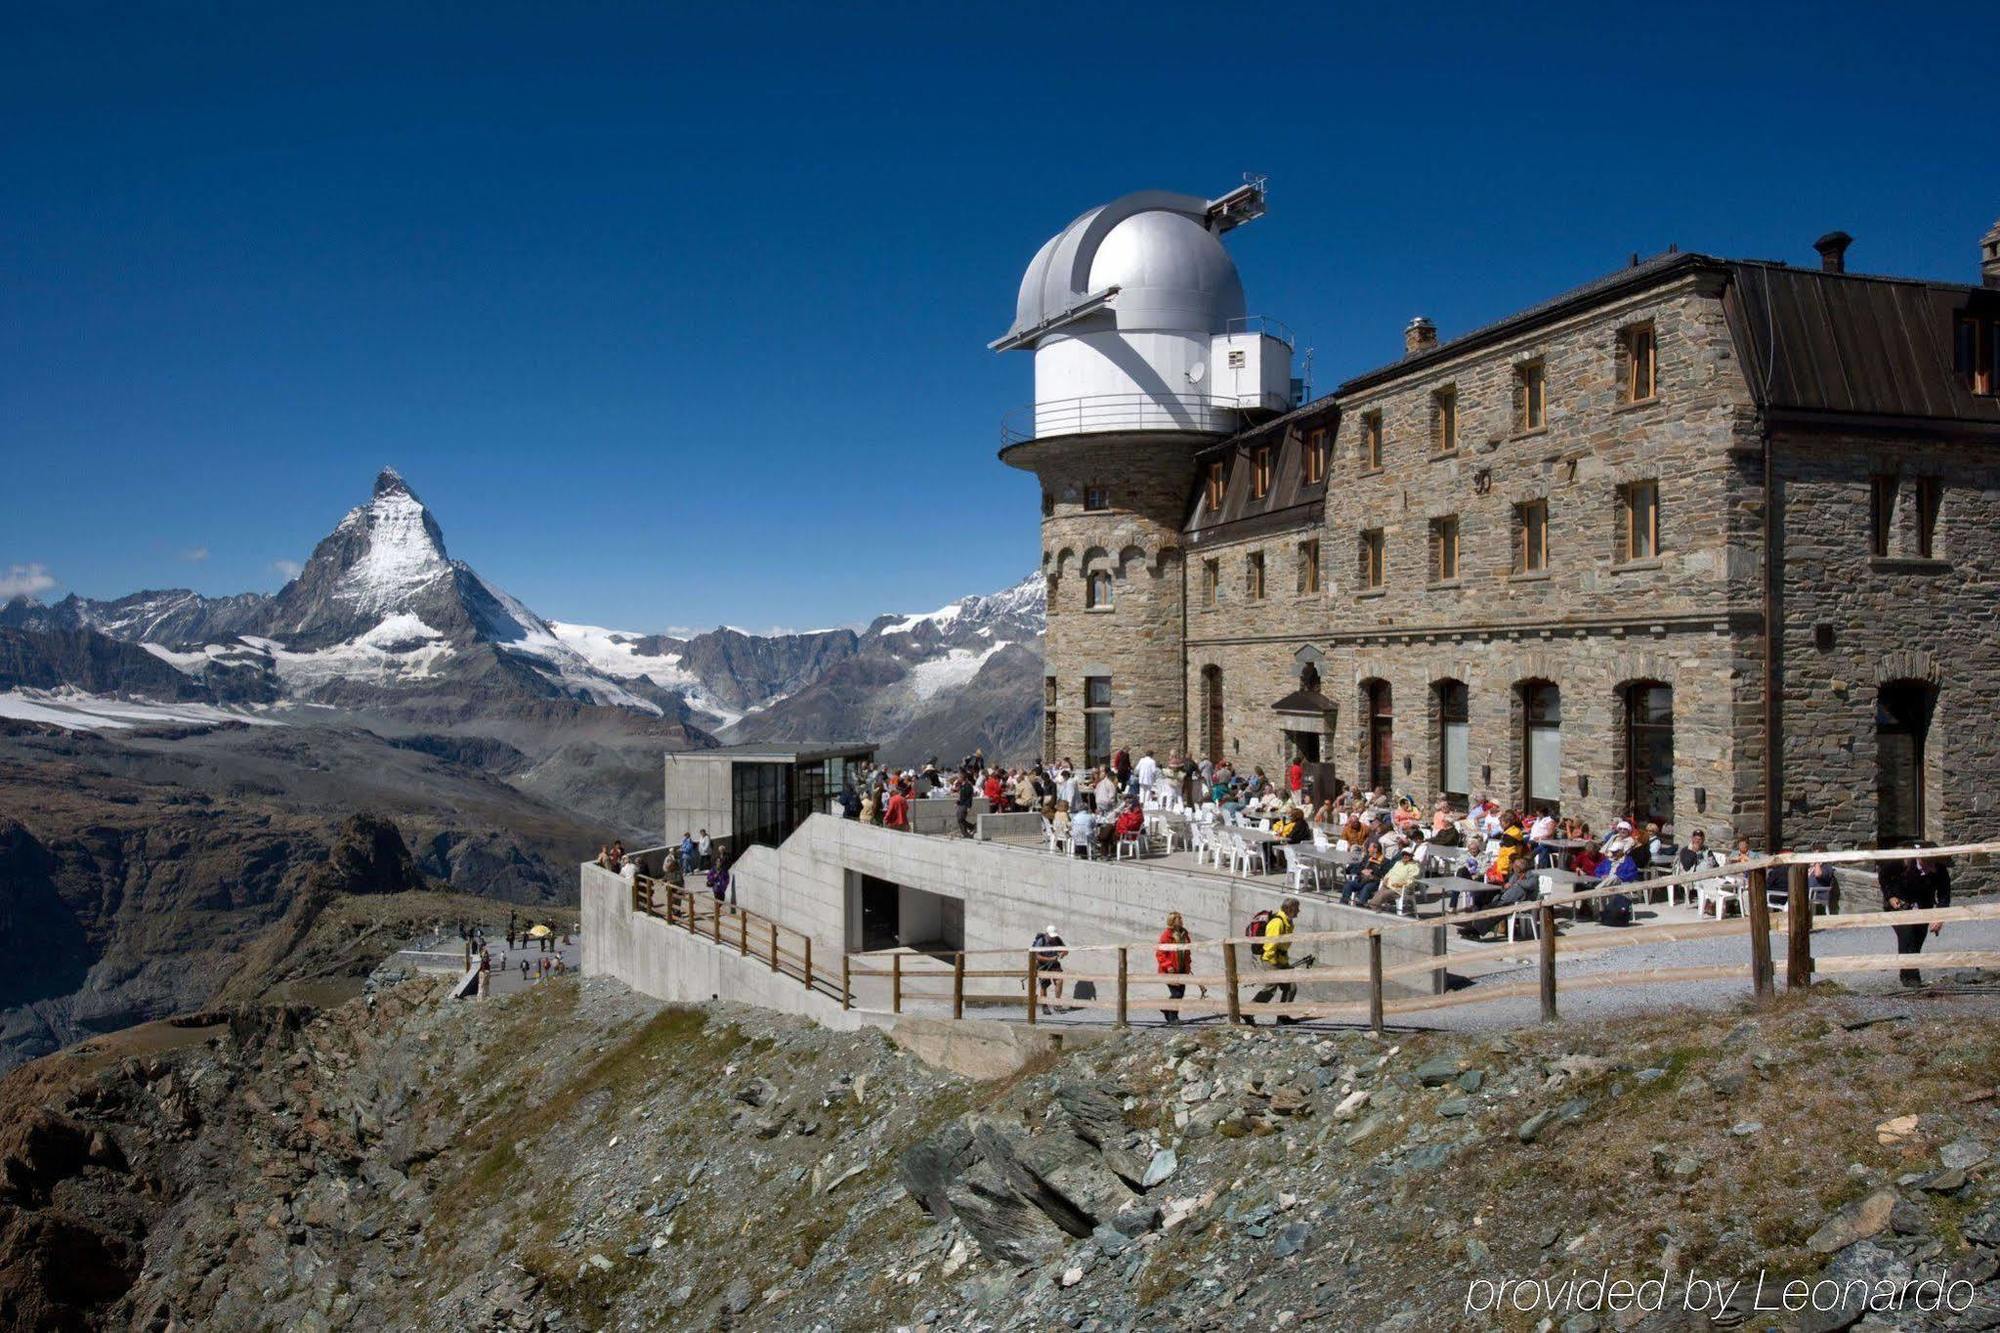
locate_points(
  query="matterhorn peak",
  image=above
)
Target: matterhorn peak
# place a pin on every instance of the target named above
(390, 482)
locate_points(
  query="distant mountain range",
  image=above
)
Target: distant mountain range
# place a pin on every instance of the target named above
(381, 621)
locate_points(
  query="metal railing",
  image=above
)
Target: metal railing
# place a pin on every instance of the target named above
(1264, 324)
(1100, 413)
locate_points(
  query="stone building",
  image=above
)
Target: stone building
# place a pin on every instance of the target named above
(1538, 561)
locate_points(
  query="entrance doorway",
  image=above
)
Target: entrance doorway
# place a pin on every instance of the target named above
(1903, 711)
(881, 915)
(1379, 738)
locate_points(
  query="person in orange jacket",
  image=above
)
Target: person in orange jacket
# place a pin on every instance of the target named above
(1174, 962)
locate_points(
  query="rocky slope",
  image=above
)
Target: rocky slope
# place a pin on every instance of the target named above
(579, 1157)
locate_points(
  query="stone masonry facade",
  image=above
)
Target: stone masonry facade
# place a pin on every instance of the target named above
(1613, 545)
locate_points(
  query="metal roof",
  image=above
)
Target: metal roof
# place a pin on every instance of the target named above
(1849, 344)
(772, 752)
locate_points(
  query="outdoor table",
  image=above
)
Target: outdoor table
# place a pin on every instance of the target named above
(1446, 885)
(1556, 885)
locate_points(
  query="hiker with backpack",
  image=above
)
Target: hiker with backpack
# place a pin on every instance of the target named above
(1049, 950)
(1277, 956)
(1174, 962)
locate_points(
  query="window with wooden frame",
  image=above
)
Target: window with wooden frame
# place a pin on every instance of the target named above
(1881, 513)
(1216, 479)
(1531, 536)
(1638, 521)
(1211, 578)
(1928, 493)
(1309, 567)
(1097, 591)
(1639, 349)
(1976, 347)
(1253, 576)
(1444, 421)
(1260, 472)
(1096, 497)
(1312, 468)
(1371, 441)
(1372, 571)
(1531, 395)
(1444, 549)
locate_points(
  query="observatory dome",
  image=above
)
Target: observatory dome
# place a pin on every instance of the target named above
(1155, 247)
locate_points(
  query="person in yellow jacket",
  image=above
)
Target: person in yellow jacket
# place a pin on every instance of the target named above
(1278, 957)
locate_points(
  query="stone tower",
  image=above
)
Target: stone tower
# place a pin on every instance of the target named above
(1143, 354)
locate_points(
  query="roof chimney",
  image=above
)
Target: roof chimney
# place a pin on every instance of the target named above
(1420, 336)
(1989, 257)
(1832, 249)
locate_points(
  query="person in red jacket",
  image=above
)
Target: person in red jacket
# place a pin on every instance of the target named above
(994, 791)
(897, 816)
(1174, 962)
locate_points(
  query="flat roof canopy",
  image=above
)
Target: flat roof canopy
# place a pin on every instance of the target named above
(778, 753)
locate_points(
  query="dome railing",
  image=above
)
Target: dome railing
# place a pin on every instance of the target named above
(1264, 324)
(1103, 413)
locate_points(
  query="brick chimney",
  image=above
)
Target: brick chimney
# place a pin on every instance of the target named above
(1989, 257)
(1420, 336)
(1832, 249)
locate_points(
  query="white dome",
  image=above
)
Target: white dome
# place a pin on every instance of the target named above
(1155, 247)
(1171, 273)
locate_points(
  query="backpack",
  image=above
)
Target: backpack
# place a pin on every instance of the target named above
(1615, 910)
(1257, 926)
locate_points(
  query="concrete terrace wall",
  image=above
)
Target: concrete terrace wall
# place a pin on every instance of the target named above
(1010, 893)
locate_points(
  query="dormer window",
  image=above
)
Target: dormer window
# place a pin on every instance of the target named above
(1260, 472)
(1976, 345)
(1216, 481)
(1313, 471)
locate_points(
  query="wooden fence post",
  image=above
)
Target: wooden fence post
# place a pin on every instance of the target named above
(718, 921)
(1229, 980)
(846, 985)
(1032, 960)
(1758, 908)
(958, 984)
(1545, 926)
(1122, 1017)
(774, 946)
(895, 983)
(1798, 936)
(1375, 980)
(742, 934)
(809, 960)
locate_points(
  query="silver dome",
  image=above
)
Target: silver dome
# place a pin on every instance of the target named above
(1151, 258)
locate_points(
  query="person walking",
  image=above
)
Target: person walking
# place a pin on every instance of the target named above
(1912, 886)
(1174, 962)
(1049, 950)
(1278, 957)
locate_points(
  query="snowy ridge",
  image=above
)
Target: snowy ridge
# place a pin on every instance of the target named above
(77, 711)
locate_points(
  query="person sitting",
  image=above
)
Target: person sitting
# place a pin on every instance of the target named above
(1292, 827)
(1822, 882)
(1399, 873)
(1083, 829)
(1590, 862)
(1130, 823)
(1444, 831)
(1364, 877)
(1059, 820)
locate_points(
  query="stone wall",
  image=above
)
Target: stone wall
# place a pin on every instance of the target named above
(1592, 622)
(1853, 622)
(1137, 540)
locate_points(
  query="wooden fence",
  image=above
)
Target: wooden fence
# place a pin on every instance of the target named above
(942, 978)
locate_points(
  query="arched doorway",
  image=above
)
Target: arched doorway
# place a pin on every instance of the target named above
(1541, 746)
(1649, 751)
(1378, 736)
(1211, 713)
(1454, 713)
(1903, 711)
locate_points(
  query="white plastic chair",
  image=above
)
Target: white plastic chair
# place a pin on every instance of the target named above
(1720, 893)
(1298, 870)
(1049, 832)
(1129, 845)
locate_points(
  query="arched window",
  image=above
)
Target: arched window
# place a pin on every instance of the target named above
(1211, 712)
(1541, 746)
(1454, 711)
(1903, 711)
(1379, 737)
(1649, 751)
(1097, 590)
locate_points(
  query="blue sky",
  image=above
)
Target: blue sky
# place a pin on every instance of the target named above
(678, 315)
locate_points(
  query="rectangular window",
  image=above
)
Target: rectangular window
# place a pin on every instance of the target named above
(1096, 497)
(1976, 343)
(1260, 472)
(1048, 691)
(1211, 578)
(1444, 549)
(1215, 480)
(1309, 566)
(1371, 571)
(1929, 492)
(1532, 388)
(1097, 721)
(1253, 576)
(1642, 378)
(1371, 440)
(1531, 537)
(1314, 467)
(1638, 520)
(1444, 421)
(1049, 733)
(1881, 513)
